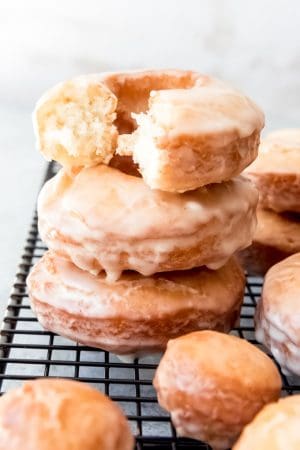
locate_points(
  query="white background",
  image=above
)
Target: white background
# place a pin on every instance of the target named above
(253, 44)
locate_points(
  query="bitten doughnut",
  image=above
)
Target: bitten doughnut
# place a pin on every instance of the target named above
(184, 130)
(213, 385)
(276, 171)
(277, 236)
(136, 314)
(278, 314)
(276, 427)
(60, 414)
(105, 219)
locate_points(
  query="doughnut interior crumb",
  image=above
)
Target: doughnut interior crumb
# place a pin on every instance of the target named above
(134, 109)
(165, 120)
(78, 121)
(74, 123)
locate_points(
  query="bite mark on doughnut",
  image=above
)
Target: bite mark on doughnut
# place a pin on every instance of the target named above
(183, 129)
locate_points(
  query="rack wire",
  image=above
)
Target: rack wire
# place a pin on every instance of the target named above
(28, 352)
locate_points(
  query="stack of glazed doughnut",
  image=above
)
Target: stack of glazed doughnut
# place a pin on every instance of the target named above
(142, 224)
(144, 217)
(276, 173)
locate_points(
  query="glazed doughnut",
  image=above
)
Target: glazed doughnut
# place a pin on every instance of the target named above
(134, 315)
(275, 427)
(60, 414)
(213, 385)
(105, 219)
(276, 171)
(278, 313)
(191, 130)
(277, 236)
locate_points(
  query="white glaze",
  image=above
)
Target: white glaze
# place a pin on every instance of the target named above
(108, 213)
(276, 324)
(119, 316)
(188, 426)
(279, 153)
(273, 338)
(57, 282)
(211, 107)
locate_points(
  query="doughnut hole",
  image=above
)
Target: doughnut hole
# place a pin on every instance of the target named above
(214, 384)
(74, 123)
(125, 164)
(133, 92)
(134, 97)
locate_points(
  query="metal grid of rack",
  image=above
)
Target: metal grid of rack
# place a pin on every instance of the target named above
(27, 351)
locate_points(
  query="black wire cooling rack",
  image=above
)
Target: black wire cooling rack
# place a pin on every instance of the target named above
(27, 352)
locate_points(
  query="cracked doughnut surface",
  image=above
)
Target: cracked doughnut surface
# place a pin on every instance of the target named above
(102, 218)
(136, 314)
